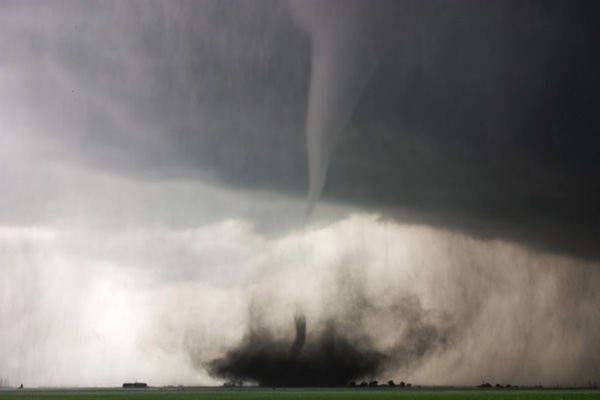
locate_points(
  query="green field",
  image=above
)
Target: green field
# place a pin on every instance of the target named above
(312, 394)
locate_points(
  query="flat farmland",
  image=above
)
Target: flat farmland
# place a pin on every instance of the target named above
(298, 394)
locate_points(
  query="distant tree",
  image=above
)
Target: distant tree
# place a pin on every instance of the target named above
(352, 384)
(391, 383)
(402, 384)
(363, 383)
(498, 385)
(408, 385)
(373, 383)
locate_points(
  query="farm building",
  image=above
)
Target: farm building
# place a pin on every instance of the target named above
(136, 385)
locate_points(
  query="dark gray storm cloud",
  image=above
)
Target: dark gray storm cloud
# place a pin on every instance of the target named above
(155, 163)
(474, 116)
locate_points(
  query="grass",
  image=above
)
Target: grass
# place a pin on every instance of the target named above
(293, 394)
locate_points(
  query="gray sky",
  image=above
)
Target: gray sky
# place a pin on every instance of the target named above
(154, 171)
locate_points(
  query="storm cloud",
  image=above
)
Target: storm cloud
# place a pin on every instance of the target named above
(475, 117)
(156, 159)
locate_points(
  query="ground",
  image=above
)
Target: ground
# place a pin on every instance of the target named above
(312, 394)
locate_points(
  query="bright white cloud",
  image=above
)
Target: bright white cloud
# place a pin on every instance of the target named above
(98, 308)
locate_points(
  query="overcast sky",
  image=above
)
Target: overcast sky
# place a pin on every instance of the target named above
(156, 159)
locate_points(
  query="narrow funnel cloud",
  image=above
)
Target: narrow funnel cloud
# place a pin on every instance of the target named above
(341, 65)
(300, 321)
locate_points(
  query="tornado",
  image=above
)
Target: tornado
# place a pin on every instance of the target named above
(343, 57)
